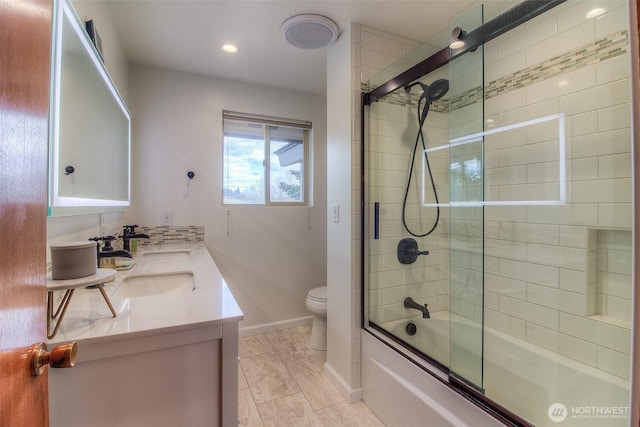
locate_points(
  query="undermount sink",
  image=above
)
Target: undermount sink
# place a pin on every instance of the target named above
(153, 284)
(170, 255)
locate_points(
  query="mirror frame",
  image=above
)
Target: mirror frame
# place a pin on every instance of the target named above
(62, 205)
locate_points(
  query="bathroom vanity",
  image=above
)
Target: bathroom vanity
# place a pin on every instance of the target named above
(169, 357)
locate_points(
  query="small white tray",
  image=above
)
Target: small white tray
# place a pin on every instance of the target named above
(103, 275)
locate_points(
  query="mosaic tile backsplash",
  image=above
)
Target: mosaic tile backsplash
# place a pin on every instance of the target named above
(171, 234)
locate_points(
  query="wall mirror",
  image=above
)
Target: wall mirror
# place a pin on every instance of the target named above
(90, 130)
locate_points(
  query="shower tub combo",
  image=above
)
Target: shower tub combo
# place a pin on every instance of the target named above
(496, 230)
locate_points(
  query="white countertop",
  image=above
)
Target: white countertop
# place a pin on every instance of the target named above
(88, 318)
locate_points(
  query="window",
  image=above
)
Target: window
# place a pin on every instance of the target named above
(265, 160)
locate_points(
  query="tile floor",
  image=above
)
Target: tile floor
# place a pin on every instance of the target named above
(281, 383)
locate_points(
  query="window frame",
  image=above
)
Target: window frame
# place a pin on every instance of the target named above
(269, 123)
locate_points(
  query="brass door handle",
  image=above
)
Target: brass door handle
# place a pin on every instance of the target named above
(61, 356)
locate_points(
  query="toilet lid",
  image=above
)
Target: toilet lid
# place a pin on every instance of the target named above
(318, 294)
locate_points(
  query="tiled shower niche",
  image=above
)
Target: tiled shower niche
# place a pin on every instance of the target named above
(605, 331)
(610, 284)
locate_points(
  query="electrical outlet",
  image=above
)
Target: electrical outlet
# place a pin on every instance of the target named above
(166, 218)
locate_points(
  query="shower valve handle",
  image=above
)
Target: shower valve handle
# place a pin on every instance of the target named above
(408, 251)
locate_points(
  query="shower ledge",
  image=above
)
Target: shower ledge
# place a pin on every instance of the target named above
(611, 321)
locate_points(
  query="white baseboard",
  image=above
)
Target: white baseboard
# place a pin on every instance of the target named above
(275, 326)
(352, 395)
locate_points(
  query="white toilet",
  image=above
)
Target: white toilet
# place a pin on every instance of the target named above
(317, 304)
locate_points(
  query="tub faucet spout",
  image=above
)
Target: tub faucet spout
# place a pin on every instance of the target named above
(410, 303)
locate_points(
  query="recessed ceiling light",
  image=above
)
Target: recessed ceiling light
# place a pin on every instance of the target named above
(594, 13)
(230, 48)
(309, 31)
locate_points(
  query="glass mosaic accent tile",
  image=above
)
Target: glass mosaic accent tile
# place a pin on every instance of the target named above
(601, 50)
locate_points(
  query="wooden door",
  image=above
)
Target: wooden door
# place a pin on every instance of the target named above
(25, 45)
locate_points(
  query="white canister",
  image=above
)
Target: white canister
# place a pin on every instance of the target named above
(71, 260)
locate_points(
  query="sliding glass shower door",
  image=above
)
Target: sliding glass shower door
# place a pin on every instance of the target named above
(498, 224)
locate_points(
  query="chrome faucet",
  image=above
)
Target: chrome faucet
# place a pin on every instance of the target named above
(107, 250)
(410, 303)
(128, 233)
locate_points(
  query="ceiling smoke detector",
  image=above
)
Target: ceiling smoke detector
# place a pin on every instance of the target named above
(310, 31)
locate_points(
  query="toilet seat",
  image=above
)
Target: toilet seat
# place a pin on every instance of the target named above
(317, 301)
(318, 294)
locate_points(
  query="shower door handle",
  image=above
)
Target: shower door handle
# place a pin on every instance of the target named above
(376, 220)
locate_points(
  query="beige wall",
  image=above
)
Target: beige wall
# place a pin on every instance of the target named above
(270, 256)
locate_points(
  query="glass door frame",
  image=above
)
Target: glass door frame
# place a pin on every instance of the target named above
(519, 14)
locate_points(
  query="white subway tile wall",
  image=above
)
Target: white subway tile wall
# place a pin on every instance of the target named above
(391, 139)
(570, 265)
(557, 276)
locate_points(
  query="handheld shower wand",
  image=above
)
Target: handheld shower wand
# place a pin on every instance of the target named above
(430, 93)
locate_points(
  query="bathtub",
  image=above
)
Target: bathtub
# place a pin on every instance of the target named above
(516, 375)
(432, 335)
